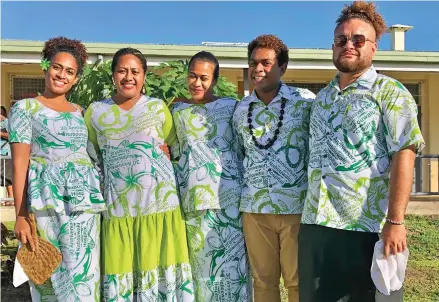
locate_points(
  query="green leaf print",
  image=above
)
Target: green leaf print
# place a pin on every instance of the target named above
(213, 132)
(82, 289)
(198, 193)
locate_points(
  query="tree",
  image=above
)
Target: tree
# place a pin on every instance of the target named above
(166, 81)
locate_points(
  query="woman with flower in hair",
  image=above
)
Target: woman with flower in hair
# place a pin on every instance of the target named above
(55, 179)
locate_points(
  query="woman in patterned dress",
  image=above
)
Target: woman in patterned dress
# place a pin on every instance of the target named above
(144, 245)
(54, 177)
(209, 175)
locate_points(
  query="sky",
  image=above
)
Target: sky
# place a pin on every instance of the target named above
(298, 24)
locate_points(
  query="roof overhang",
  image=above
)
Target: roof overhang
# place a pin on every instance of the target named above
(29, 52)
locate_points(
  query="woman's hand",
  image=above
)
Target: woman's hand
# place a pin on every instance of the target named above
(165, 149)
(23, 231)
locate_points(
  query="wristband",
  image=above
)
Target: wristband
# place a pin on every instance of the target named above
(394, 222)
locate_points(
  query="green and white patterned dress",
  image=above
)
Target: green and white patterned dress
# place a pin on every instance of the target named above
(144, 244)
(210, 180)
(63, 192)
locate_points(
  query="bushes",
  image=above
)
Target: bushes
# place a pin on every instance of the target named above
(166, 81)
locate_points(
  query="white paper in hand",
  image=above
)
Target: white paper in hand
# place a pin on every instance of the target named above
(19, 276)
(388, 273)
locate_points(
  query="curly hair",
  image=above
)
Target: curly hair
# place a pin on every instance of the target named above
(270, 42)
(63, 44)
(365, 11)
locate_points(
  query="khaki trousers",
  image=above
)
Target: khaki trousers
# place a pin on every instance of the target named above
(272, 246)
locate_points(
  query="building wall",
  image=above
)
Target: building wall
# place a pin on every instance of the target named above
(7, 71)
(429, 104)
(429, 93)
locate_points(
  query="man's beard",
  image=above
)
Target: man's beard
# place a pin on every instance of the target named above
(352, 67)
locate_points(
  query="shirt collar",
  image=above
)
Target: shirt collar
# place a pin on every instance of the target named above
(366, 80)
(284, 92)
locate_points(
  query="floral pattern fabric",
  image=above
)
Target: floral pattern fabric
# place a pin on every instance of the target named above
(275, 179)
(140, 191)
(354, 133)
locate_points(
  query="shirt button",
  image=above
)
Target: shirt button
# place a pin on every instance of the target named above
(323, 177)
(266, 108)
(340, 93)
(269, 153)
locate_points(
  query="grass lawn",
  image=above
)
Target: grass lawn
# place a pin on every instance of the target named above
(422, 275)
(421, 283)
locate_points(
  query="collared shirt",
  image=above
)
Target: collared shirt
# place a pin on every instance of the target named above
(275, 180)
(209, 158)
(354, 133)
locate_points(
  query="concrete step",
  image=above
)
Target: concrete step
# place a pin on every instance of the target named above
(7, 213)
(423, 205)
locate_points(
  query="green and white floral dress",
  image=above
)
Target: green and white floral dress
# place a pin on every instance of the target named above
(210, 179)
(144, 245)
(63, 193)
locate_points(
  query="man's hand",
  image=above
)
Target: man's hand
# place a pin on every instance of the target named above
(394, 239)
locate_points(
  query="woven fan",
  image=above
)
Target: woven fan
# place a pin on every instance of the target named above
(40, 264)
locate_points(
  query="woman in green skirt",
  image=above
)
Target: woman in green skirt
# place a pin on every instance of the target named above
(208, 164)
(144, 245)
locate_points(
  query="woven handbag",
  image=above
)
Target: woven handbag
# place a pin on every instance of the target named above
(40, 264)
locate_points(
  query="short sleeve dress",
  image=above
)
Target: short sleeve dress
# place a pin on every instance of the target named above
(144, 247)
(209, 170)
(63, 191)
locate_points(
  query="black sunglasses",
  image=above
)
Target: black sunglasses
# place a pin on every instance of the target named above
(357, 40)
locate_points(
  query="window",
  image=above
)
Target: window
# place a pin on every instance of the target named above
(26, 87)
(314, 87)
(415, 90)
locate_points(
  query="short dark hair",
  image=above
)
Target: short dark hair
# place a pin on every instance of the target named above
(270, 42)
(56, 45)
(128, 51)
(365, 11)
(3, 108)
(206, 57)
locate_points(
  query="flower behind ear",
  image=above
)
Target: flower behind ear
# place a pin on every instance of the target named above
(45, 64)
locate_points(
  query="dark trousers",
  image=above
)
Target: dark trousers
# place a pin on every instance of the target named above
(334, 265)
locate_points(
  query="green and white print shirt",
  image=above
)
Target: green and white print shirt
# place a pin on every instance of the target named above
(275, 179)
(209, 159)
(354, 133)
(139, 177)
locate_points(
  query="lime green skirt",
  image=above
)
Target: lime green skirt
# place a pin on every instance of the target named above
(146, 258)
(143, 243)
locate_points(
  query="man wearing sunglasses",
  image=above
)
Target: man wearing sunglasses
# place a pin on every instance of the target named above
(363, 129)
